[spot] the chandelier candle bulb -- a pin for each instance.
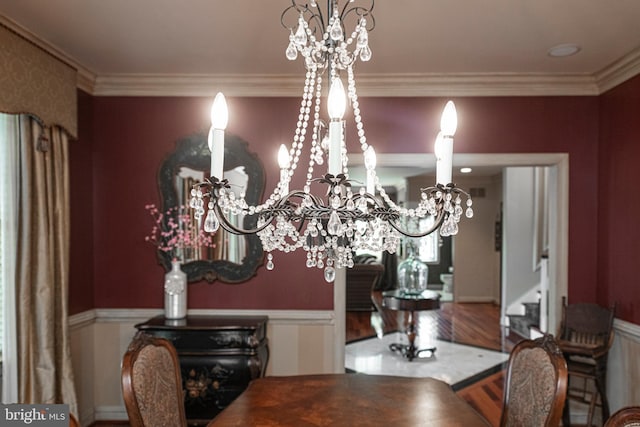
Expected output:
(283, 162)
(444, 144)
(219, 118)
(443, 149)
(336, 104)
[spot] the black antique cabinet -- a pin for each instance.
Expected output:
(219, 356)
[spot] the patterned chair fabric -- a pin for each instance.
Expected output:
(152, 384)
(536, 384)
(625, 417)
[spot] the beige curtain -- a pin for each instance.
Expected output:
(42, 267)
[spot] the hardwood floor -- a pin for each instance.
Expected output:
(471, 324)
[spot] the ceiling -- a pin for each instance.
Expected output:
(420, 47)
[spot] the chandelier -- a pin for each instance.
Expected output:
(329, 225)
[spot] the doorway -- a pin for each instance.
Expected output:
(558, 224)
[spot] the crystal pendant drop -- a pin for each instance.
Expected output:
(350, 204)
(269, 265)
(454, 229)
(363, 38)
(335, 225)
(193, 201)
(329, 274)
(211, 223)
(301, 35)
(469, 213)
(365, 54)
(336, 30)
(291, 52)
(336, 202)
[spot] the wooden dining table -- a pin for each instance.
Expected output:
(348, 400)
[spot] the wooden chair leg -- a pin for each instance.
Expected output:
(602, 391)
(592, 409)
(566, 415)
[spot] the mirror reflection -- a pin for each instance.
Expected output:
(223, 256)
(222, 245)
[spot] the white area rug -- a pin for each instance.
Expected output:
(451, 363)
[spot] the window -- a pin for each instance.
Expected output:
(9, 135)
(429, 246)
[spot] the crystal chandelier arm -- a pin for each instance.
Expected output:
(436, 224)
(360, 11)
(301, 7)
(228, 226)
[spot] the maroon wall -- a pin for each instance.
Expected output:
(619, 205)
(81, 279)
(131, 137)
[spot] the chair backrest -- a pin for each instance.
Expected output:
(152, 384)
(366, 274)
(536, 384)
(586, 324)
(625, 417)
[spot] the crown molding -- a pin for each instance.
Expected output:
(618, 72)
(396, 85)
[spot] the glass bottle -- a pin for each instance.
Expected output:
(413, 274)
(175, 292)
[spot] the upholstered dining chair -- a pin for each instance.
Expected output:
(535, 385)
(73, 421)
(625, 417)
(152, 384)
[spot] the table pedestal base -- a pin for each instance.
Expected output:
(410, 303)
(410, 351)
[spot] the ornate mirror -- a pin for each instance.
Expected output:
(228, 257)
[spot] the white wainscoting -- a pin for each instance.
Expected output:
(300, 342)
(623, 373)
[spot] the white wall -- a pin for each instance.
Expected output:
(476, 263)
(518, 275)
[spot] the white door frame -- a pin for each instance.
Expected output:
(558, 227)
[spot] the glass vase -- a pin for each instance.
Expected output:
(175, 292)
(413, 274)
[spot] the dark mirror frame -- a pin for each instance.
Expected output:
(193, 152)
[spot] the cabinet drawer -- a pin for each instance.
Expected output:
(210, 340)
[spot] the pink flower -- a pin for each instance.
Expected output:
(179, 233)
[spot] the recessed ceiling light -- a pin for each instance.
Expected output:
(465, 170)
(563, 50)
